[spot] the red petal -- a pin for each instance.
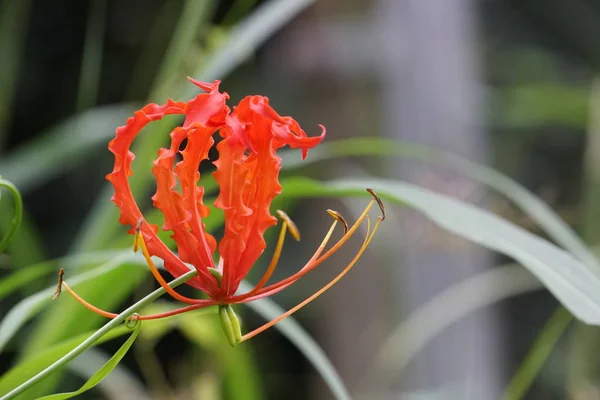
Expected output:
(207, 109)
(284, 130)
(249, 182)
(207, 87)
(123, 197)
(183, 212)
(192, 245)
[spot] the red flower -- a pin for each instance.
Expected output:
(247, 173)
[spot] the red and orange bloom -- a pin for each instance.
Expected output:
(247, 173)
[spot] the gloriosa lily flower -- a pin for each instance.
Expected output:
(247, 173)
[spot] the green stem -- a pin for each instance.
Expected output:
(538, 354)
(97, 335)
(18, 212)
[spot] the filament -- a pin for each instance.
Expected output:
(287, 224)
(140, 243)
(88, 305)
(314, 262)
(317, 259)
(366, 242)
(204, 304)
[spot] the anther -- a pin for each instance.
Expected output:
(291, 225)
(61, 273)
(338, 217)
(379, 202)
(136, 240)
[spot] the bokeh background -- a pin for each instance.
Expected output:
(424, 315)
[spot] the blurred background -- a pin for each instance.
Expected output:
(424, 315)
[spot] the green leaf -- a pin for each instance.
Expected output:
(31, 305)
(544, 344)
(14, 23)
(530, 106)
(26, 275)
(429, 319)
(193, 15)
(246, 37)
(30, 367)
(33, 383)
(102, 372)
(532, 205)
(567, 278)
(265, 307)
(292, 330)
(62, 147)
(21, 278)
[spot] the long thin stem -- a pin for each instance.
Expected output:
(97, 335)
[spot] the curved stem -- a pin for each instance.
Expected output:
(97, 335)
(18, 212)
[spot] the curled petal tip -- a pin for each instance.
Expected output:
(338, 217)
(320, 139)
(379, 202)
(207, 87)
(323, 131)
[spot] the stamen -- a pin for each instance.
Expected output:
(366, 242)
(314, 262)
(286, 224)
(138, 236)
(204, 304)
(61, 273)
(291, 225)
(379, 202)
(139, 242)
(88, 305)
(277, 254)
(338, 217)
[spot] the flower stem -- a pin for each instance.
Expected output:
(97, 335)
